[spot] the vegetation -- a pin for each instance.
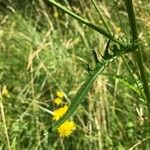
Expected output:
(49, 61)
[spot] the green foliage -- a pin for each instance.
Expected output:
(43, 50)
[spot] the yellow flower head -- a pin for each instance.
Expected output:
(58, 101)
(56, 15)
(66, 128)
(117, 30)
(5, 92)
(58, 113)
(60, 94)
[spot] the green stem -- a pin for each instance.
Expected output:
(131, 74)
(87, 23)
(82, 92)
(101, 17)
(138, 53)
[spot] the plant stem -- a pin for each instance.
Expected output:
(138, 53)
(131, 74)
(82, 92)
(4, 123)
(101, 17)
(87, 23)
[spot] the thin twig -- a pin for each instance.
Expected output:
(138, 143)
(4, 124)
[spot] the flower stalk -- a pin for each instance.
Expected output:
(138, 53)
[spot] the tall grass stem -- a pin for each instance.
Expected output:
(4, 124)
(138, 53)
(101, 17)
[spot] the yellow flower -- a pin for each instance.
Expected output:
(56, 15)
(58, 113)
(58, 101)
(66, 128)
(5, 92)
(60, 94)
(117, 30)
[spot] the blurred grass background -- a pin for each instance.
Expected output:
(43, 50)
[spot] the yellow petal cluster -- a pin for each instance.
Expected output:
(58, 101)
(58, 113)
(5, 92)
(60, 94)
(117, 30)
(66, 128)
